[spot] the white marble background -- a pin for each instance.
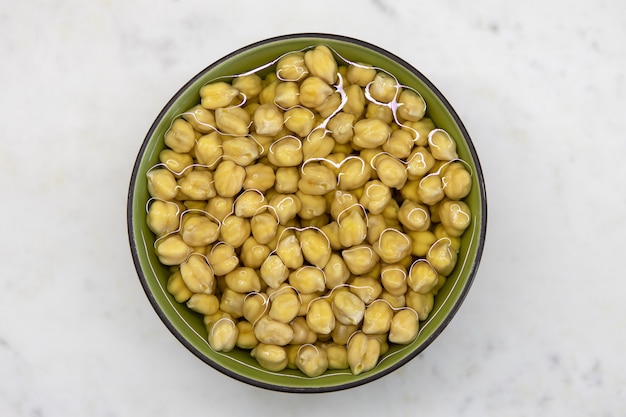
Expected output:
(540, 86)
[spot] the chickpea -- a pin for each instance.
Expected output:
(336, 271)
(383, 88)
(286, 152)
(352, 229)
(316, 179)
(337, 356)
(201, 119)
(366, 288)
(268, 93)
(299, 120)
(197, 185)
(342, 332)
(180, 137)
(218, 208)
(285, 306)
(249, 203)
(414, 216)
(404, 326)
(229, 178)
(286, 207)
(289, 251)
(321, 63)
(163, 217)
(287, 94)
(258, 177)
(360, 74)
(253, 253)
(422, 277)
(442, 257)
(391, 171)
(249, 84)
(376, 196)
(315, 247)
(420, 129)
(273, 271)
(255, 305)
(287, 180)
(399, 144)
(223, 335)
(395, 301)
(301, 332)
(440, 233)
(271, 357)
(363, 353)
(430, 189)
(291, 67)
(331, 230)
(172, 250)
(307, 280)
(318, 144)
(377, 318)
(242, 150)
(341, 127)
(199, 230)
(208, 149)
(232, 302)
(233, 121)
(175, 162)
(455, 217)
(360, 259)
(419, 162)
(311, 360)
(422, 304)
(457, 181)
(379, 111)
(246, 338)
(411, 105)
(205, 304)
(343, 203)
(353, 173)
(376, 225)
(197, 275)
(270, 331)
(264, 227)
(176, 286)
(330, 106)
(348, 308)
(162, 184)
(442, 146)
(311, 206)
(235, 230)
(222, 258)
(243, 280)
(355, 104)
(217, 95)
(422, 241)
(370, 133)
(393, 246)
(320, 317)
(393, 278)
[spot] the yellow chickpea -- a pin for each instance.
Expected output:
(286, 152)
(360, 259)
(259, 177)
(291, 67)
(455, 217)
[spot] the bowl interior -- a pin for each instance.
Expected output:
(188, 326)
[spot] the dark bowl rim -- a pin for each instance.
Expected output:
(454, 308)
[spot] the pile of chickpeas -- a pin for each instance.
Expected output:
(310, 214)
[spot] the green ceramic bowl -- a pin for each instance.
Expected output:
(188, 327)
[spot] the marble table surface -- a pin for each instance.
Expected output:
(540, 86)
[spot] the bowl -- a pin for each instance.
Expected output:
(188, 327)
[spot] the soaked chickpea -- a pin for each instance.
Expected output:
(309, 213)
